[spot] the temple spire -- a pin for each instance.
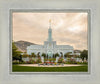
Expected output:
(50, 23)
(50, 31)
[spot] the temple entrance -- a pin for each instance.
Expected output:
(50, 54)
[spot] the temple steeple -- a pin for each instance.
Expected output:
(50, 31)
(50, 23)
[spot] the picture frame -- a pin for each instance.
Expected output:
(11, 11)
(7, 77)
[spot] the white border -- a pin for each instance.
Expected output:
(6, 78)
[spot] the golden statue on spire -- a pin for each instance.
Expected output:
(49, 20)
(50, 23)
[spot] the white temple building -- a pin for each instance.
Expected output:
(49, 47)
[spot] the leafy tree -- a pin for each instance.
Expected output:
(67, 54)
(56, 55)
(53, 56)
(33, 55)
(38, 54)
(15, 53)
(84, 54)
(47, 56)
(61, 54)
(44, 55)
(25, 55)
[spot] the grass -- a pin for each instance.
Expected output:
(17, 68)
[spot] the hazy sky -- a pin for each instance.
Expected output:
(67, 28)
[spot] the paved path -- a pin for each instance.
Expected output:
(36, 65)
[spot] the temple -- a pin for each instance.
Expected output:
(50, 47)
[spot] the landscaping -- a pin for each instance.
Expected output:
(23, 62)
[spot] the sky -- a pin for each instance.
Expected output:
(67, 28)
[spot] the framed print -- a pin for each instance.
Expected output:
(49, 42)
(31, 54)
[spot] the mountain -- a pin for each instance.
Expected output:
(22, 45)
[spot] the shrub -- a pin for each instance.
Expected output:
(85, 62)
(71, 61)
(23, 62)
(60, 60)
(15, 62)
(55, 63)
(28, 62)
(67, 62)
(50, 60)
(53, 59)
(38, 60)
(25, 55)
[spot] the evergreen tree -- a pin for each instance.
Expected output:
(84, 54)
(16, 55)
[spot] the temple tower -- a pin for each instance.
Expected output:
(50, 32)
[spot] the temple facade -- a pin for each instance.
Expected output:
(49, 47)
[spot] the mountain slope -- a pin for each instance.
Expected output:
(22, 45)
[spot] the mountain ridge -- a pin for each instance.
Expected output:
(22, 45)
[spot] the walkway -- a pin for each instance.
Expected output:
(36, 65)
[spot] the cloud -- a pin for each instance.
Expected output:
(67, 28)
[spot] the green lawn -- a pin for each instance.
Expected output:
(17, 68)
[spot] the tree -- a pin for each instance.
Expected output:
(53, 56)
(44, 55)
(67, 54)
(56, 55)
(38, 54)
(84, 54)
(25, 55)
(15, 53)
(33, 55)
(61, 54)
